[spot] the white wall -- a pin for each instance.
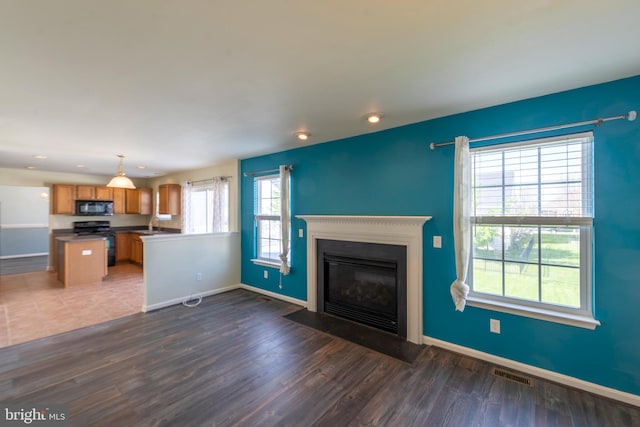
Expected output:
(24, 227)
(230, 168)
(172, 263)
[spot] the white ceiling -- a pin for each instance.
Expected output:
(184, 84)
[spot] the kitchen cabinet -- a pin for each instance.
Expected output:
(123, 247)
(81, 261)
(138, 201)
(104, 193)
(170, 199)
(85, 192)
(64, 199)
(136, 249)
(90, 192)
(119, 200)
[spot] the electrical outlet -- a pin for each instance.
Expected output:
(437, 241)
(266, 274)
(198, 276)
(494, 326)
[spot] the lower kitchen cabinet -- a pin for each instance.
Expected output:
(136, 249)
(123, 247)
(129, 247)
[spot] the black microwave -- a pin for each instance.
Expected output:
(94, 208)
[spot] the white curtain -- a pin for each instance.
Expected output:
(461, 221)
(220, 196)
(209, 212)
(186, 206)
(285, 218)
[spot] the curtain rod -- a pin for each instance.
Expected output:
(224, 178)
(290, 167)
(631, 116)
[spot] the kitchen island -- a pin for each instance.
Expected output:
(82, 260)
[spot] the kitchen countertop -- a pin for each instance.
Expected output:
(83, 237)
(147, 232)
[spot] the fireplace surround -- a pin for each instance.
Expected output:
(404, 231)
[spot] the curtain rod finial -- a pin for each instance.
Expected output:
(631, 115)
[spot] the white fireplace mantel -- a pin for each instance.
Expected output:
(391, 230)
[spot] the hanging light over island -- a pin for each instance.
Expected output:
(120, 180)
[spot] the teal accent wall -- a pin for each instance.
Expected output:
(393, 172)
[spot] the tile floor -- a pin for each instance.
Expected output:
(35, 305)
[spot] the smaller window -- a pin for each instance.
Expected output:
(207, 207)
(267, 217)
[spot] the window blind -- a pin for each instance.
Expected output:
(545, 181)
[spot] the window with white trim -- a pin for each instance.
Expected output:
(267, 218)
(206, 207)
(532, 216)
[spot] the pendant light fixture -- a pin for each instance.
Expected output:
(120, 181)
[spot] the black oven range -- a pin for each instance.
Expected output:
(98, 228)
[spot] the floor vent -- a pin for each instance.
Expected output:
(512, 376)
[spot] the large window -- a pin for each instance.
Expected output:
(267, 218)
(532, 219)
(206, 207)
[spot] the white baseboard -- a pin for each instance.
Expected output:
(147, 308)
(273, 295)
(25, 255)
(175, 301)
(610, 393)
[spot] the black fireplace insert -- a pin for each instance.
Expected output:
(364, 282)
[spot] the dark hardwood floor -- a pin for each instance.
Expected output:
(234, 360)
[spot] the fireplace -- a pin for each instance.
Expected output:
(364, 282)
(406, 231)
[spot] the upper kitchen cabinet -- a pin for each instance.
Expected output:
(90, 192)
(138, 201)
(104, 193)
(64, 196)
(119, 200)
(170, 199)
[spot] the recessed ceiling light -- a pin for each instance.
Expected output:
(303, 136)
(141, 166)
(374, 118)
(30, 167)
(39, 156)
(80, 166)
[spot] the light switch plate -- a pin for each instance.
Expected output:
(300, 232)
(437, 241)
